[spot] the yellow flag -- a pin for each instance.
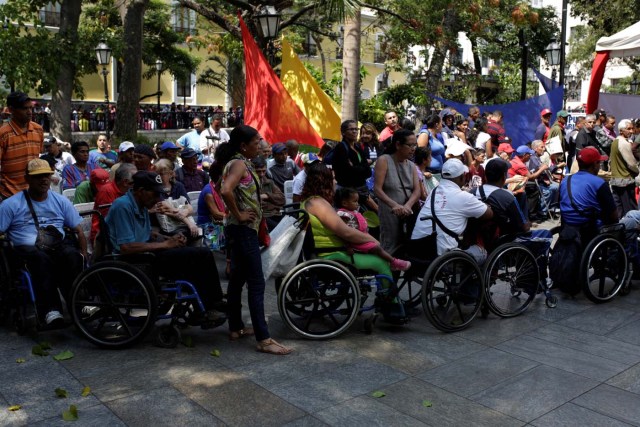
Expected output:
(318, 108)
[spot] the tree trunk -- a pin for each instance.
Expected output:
(62, 92)
(323, 59)
(351, 68)
(126, 126)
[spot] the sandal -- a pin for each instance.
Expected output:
(236, 335)
(271, 346)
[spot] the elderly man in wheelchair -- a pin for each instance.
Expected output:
(590, 254)
(40, 225)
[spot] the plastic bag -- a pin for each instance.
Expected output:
(283, 253)
(168, 224)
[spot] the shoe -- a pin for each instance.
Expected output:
(213, 319)
(400, 265)
(89, 310)
(54, 319)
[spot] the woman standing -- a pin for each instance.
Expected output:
(370, 143)
(430, 136)
(240, 191)
(398, 190)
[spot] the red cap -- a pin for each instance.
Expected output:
(506, 147)
(591, 155)
(99, 177)
(545, 112)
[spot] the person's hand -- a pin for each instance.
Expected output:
(176, 241)
(194, 230)
(247, 217)
(264, 196)
(397, 210)
(544, 167)
(427, 175)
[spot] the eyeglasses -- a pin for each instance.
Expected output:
(411, 146)
(353, 130)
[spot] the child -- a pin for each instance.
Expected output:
(346, 201)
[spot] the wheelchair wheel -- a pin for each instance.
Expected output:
(113, 304)
(603, 268)
(511, 278)
(410, 288)
(452, 291)
(319, 299)
(167, 336)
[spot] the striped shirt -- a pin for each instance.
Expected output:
(17, 148)
(72, 175)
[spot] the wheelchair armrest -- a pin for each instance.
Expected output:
(611, 228)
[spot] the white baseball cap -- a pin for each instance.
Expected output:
(453, 168)
(125, 146)
(455, 148)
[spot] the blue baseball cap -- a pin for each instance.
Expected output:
(523, 149)
(168, 145)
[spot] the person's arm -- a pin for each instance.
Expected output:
(423, 139)
(82, 241)
(175, 241)
(628, 157)
(276, 196)
(380, 172)
(328, 217)
(534, 175)
(416, 193)
(487, 215)
(488, 148)
(236, 171)
(608, 210)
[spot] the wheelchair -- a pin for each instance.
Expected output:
(604, 267)
(116, 302)
(320, 299)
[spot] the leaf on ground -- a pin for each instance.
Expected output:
(14, 408)
(71, 414)
(427, 403)
(37, 350)
(45, 345)
(378, 394)
(86, 391)
(215, 353)
(20, 360)
(64, 355)
(187, 341)
(60, 392)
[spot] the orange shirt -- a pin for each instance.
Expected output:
(17, 148)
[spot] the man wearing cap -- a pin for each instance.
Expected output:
(169, 151)
(213, 136)
(542, 130)
(558, 128)
(130, 233)
(49, 269)
(591, 202)
(103, 156)
(192, 139)
(300, 178)
(453, 208)
(20, 141)
(193, 178)
(519, 164)
(62, 158)
(87, 190)
(73, 175)
(282, 168)
(122, 182)
(125, 155)
(143, 157)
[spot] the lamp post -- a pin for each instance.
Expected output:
(634, 85)
(159, 65)
(553, 57)
(269, 20)
(103, 53)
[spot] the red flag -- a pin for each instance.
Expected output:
(597, 74)
(268, 106)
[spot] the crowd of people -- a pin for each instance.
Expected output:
(442, 184)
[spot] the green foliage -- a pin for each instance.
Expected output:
(622, 86)
(316, 73)
(372, 111)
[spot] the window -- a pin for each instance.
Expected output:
(309, 46)
(379, 56)
(50, 15)
(184, 87)
(184, 20)
(536, 3)
(484, 62)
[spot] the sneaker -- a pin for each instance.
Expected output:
(213, 319)
(89, 310)
(54, 319)
(400, 265)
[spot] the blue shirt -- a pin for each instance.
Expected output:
(590, 194)
(95, 155)
(191, 140)
(203, 210)
(128, 222)
(437, 152)
(16, 219)
(72, 176)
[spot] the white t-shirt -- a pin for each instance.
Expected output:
(481, 140)
(298, 182)
(205, 142)
(453, 207)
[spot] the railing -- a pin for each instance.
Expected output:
(95, 122)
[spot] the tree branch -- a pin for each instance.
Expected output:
(314, 30)
(296, 16)
(213, 17)
(383, 10)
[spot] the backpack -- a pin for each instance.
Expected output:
(565, 261)
(328, 158)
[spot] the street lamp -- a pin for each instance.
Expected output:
(553, 57)
(634, 85)
(269, 20)
(159, 65)
(103, 53)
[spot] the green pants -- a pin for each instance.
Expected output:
(363, 262)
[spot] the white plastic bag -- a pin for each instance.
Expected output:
(168, 224)
(286, 243)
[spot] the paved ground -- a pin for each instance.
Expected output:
(578, 364)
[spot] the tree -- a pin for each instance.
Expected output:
(351, 70)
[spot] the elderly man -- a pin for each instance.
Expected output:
(192, 139)
(130, 233)
(103, 155)
(143, 157)
(265, 150)
(548, 187)
(169, 151)
(293, 152)
(73, 175)
(271, 198)
(20, 141)
(108, 193)
(213, 136)
(51, 266)
(193, 178)
(125, 155)
(624, 169)
(87, 190)
(282, 168)
(393, 124)
(472, 115)
(452, 207)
